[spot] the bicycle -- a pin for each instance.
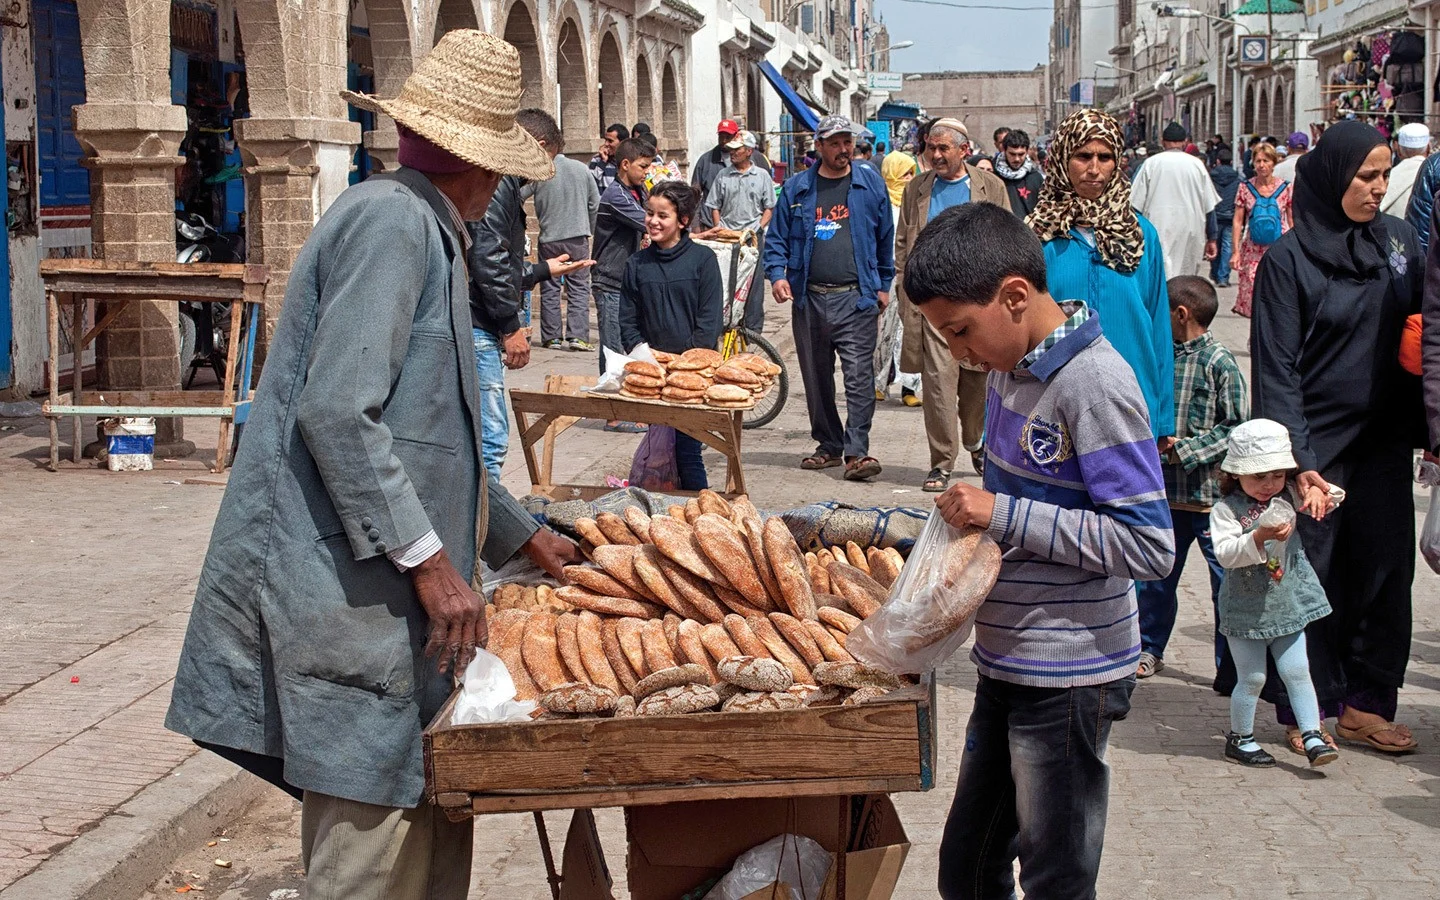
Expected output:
(738, 260)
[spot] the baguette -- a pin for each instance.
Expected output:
(676, 512)
(614, 528)
(671, 626)
(655, 646)
(895, 557)
(615, 655)
(834, 600)
(610, 606)
(819, 578)
(856, 557)
(692, 510)
(789, 567)
(693, 591)
(639, 522)
(587, 529)
(863, 593)
(567, 639)
(736, 602)
(598, 581)
(510, 650)
(831, 649)
(541, 653)
(882, 567)
(838, 619)
(711, 502)
(592, 652)
(677, 541)
(632, 644)
(648, 562)
(839, 636)
(798, 637)
(692, 648)
(753, 531)
(780, 650)
(730, 555)
(618, 561)
(745, 638)
(717, 642)
(958, 598)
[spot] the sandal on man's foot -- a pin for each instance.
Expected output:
(860, 468)
(936, 481)
(977, 459)
(821, 461)
(1255, 759)
(1321, 753)
(1296, 741)
(1365, 734)
(627, 427)
(1149, 665)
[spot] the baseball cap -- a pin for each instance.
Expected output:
(743, 139)
(1297, 139)
(1413, 136)
(727, 126)
(833, 125)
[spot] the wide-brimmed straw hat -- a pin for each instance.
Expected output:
(463, 97)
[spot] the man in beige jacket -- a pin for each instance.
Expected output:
(954, 396)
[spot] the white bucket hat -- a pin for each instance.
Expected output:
(1257, 446)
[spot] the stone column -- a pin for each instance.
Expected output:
(132, 151)
(282, 163)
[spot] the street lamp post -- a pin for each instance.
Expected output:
(1238, 80)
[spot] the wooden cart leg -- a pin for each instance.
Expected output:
(79, 365)
(550, 874)
(52, 325)
(231, 387)
(734, 475)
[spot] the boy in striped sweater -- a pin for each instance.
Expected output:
(1074, 495)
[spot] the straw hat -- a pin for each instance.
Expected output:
(463, 96)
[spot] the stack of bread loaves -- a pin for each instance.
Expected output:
(700, 377)
(684, 612)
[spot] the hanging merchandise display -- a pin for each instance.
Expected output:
(1380, 79)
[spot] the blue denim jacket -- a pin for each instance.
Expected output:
(791, 237)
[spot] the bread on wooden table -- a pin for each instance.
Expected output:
(728, 553)
(864, 695)
(755, 673)
(632, 644)
(579, 698)
(618, 561)
(855, 675)
(599, 581)
(674, 676)
(510, 649)
(692, 648)
(830, 648)
(655, 646)
(615, 655)
(795, 634)
(567, 639)
(677, 541)
(639, 522)
(614, 528)
(838, 619)
(610, 606)
(541, 652)
(672, 701)
(587, 529)
(756, 701)
(745, 638)
(693, 591)
(592, 652)
(789, 568)
(718, 643)
(863, 593)
(711, 502)
(735, 602)
(780, 649)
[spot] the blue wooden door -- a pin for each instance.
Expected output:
(59, 86)
(7, 329)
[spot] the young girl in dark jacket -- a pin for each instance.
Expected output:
(671, 298)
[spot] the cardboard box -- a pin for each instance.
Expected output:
(674, 848)
(584, 875)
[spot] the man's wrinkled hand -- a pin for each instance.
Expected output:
(883, 298)
(780, 290)
(963, 504)
(552, 552)
(517, 349)
(457, 617)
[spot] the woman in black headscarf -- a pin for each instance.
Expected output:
(1331, 299)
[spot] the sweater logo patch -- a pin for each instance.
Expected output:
(1398, 262)
(1046, 444)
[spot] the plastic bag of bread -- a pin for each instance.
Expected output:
(931, 607)
(793, 860)
(487, 694)
(654, 466)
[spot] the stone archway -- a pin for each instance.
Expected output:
(1262, 112)
(644, 91)
(671, 124)
(520, 33)
(451, 15)
(1248, 112)
(574, 85)
(612, 91)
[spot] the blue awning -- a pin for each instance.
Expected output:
(892, 110)
(804, 116)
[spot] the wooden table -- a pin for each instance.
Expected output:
(542, 416)
(79, 283)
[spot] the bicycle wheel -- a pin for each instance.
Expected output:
(769, 406)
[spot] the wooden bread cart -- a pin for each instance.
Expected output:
(880, 747)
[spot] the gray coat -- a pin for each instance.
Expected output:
(305, 642)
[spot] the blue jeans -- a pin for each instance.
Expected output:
(689, 464)
(1158, 600)
(1220, 265)
(494, 420)
(607, 309)
(1034, 784)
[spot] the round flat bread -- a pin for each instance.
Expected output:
(644, 381)
(736, 375)
(732, 393)
(687, 381)
(681, 364)
(755, 674)
(577, 697)
(671, 701)
(756, 701)
(703, 355)
(641, 367)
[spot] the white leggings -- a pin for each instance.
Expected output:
(1293, 665)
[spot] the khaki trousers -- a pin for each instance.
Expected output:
(954, 402)
(356, 851)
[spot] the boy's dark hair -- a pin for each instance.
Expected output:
(1254, 139)
(649, 140)
(880, 147)
(1225, 156)
(542, 127)
(639, 129)
(1195, 294)
(967, 250)
(1017, 138)
(685, 198)
(632, 149)
(999, 131)
(620, 131)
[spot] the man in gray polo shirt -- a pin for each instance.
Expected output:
(742, 198)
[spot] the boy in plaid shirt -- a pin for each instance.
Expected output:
(1210, 399)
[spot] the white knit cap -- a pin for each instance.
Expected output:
(1413, 136)
(1258, 446)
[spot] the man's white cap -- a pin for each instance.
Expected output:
(1258, 446)
(743, 139)
(1413, 136)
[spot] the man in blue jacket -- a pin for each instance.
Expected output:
(831, 251)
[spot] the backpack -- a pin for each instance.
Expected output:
(1265, 224)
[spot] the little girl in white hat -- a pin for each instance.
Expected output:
(1270, 592)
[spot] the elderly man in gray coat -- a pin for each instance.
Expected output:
(336, 599)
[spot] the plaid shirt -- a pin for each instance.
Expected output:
(1079, 313)
(1211, 398)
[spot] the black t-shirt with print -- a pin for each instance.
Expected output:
(832, 261)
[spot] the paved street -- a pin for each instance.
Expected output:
(99, 570)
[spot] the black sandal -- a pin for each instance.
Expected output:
(862, 467)
(936, 481)
(1321, 755)
(1256, 759)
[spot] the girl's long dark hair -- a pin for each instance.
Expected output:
(683, 197)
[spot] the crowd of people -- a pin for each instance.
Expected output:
(1049, 317)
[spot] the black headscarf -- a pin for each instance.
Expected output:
(1327, 235)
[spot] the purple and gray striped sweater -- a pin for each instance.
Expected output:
(1080, 513)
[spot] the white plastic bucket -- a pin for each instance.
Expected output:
(130, 444)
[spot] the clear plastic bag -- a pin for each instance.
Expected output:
(790, 859)
(1428, 474)
(487, 694)
(654, 468)
(931, 608)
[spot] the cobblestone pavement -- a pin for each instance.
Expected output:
(99, 570)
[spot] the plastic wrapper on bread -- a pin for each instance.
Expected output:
(931, 608)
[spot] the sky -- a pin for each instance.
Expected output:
(967, 39)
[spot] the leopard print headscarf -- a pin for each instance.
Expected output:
(1116, 227)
